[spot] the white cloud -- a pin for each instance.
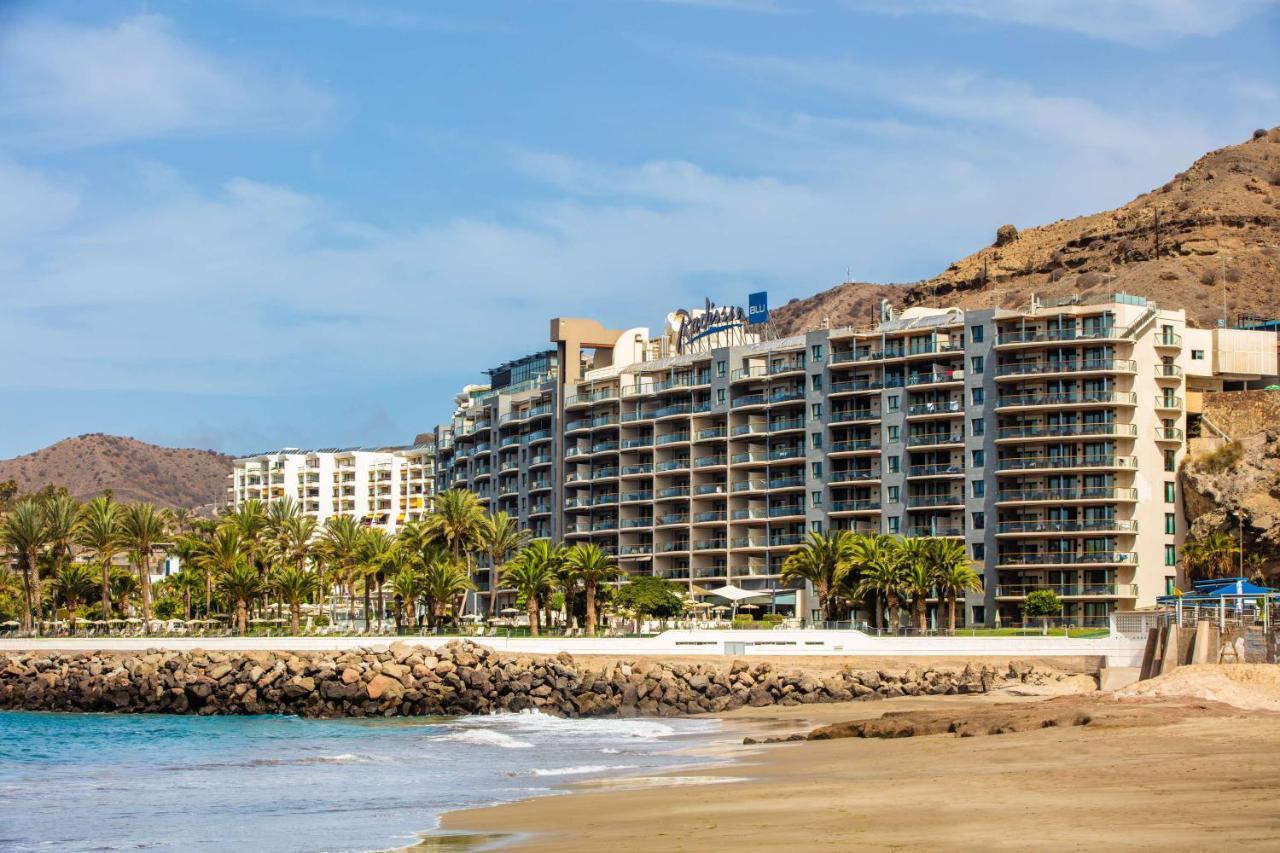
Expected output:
(1140, 22)
(72, 85)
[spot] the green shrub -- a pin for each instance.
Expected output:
(773, 618)
(1225, 458)
(744, 622)
(1042, 602)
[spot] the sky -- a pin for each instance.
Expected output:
(248, 224)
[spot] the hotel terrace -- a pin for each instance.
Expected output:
(1046, 440)
(380, 487)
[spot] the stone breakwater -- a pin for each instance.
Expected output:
(455, 679)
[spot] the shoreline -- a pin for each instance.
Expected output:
(1077, 788)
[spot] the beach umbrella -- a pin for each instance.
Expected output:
(749, 607)
(720, 608)
(510, 610)
(12, 623)
(133, 620)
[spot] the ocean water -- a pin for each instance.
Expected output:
(116, 782)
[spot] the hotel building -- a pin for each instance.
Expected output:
(1046, 440)
(380, 487)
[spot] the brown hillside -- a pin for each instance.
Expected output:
(134, 471)
(1218, 219)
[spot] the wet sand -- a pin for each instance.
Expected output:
(1190, 785)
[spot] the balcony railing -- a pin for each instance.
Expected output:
(840, 416)
(1115, 398)
(1076, 558)
(921, 439)
(1064, 334)
(1093, 525)
(854, 445)
(1107, 365)
(855, 475)
(1068, 430)
(855, 356)
(1070, 590)
(854, 506)
(935, 500)
(1105, 493)
(1040, 463)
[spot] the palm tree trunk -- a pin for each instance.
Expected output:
(186, 603)
(368, 606)
(591, 606)
(531, 607)
(208, 592)
(951, 611)
(144, 570)
(382, 601)
(295, 616)
(493, 584)
(879, 612)
(106, 588)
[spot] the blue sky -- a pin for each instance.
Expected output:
(255, 223)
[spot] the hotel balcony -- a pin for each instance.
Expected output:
(1043, 527)
(1018, 369)
(1168, 341)
(854, 447)
(944, 377)
(1168, 403)
(1096, 494)
(939, 501)
(935, 439)
(854, 386)
(711, 434)
(1073, 558)
(841, 416)
(1066, 463)
(854, 475)
(1070, 590)
(584, 400)
(947, 469)
(1066, 430)
(671, 438)
(935, 409)
(1031, 337)
(1169, 434)
(644, 469)
(755, 484)
(711, 490)
(936, 531)
(1074, 399)
(1168, 372)
(856, 356)
(853, 507)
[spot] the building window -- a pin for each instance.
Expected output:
(979, 551)
(720, 395)
(979, 521)
(816, 468)
(893, 402)
(894, 433)
(817, 381)
(1170, 523)
(815, 409)
(720, 368)
(895, 464)
(816, 349)
(978, 426)
(1197, 355)
(979, 458)
(815, 440)
(815, 526)
(815, 499)
(1170, 460)
(978, 488)
(895, 524)
(1169, 584)
(894, 494)
(978, 395)
(1170, 492)
(976, 363)
(1171, 555)
(975, 334)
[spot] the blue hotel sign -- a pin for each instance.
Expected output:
(758, 308)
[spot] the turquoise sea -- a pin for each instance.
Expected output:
(169, 783)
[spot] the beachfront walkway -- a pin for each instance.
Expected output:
(1118, 651)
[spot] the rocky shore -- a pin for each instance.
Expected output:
(459, 678)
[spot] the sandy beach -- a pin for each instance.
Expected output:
(1187, 785)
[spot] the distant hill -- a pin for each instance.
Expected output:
(134, 471)
(1218, 219)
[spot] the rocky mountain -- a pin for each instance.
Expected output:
(1215, 225)
(1238, 483)
(87, 465)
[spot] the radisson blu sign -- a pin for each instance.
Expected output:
(694, 327)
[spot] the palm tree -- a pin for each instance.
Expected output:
(74, 584)
(340, 544)
(293, 585)
(953, 574)
(823, 561)
(1212, 556)
(406, 586)
(279, 513)
(593, 567)
(222, 553)
(61, 512)
(250, 518)
(143, 529)
(501, 535)
(882, 577)
(443, 580)
(375, 545)
(242, 585)
(189, 581)
(292, 541)
(124, 586)
(189, 551)
(180, 520)
(457, 521)
(100, 529)
(26, 531)
(533, 574)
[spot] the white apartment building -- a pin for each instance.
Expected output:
(382, 487)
